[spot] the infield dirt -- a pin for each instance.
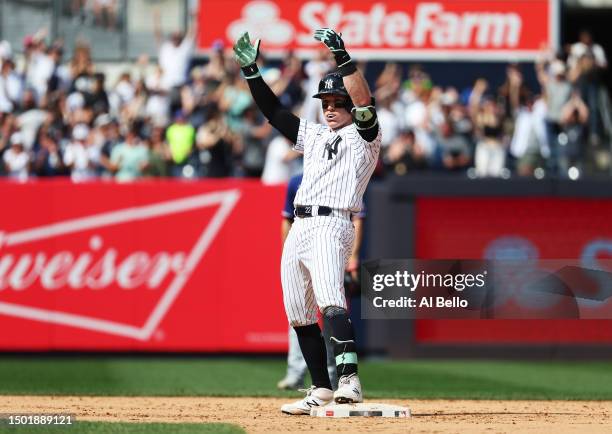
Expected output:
(262, 415)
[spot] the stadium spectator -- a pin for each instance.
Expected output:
(216, 68)
(389, 122)
(80, 157)
(181, 138)
(98, 99)
(30, 119)
(235, 98)
(574, 119)
(512, 95)
(39, 63)
(81, 68)
(216, 144)
(585, 44)
(123, 93)
(105, 137)
(390, 109)
(17, 159)
(196, 98)
(105, 13)
(6, 51)
(404, 154)
(157, 107)
(159, 154)
(279, 165)
(529, 144)
(11, 87)
(587, 77)
(490, 155)
(557, 91)
(288, 87)
(130, 158)
(453, 147)
(48, 160)
(415, 95)
(254, 132)
(175, 57)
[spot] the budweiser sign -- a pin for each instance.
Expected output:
(75, 255)
(448, 29)
(157, 265)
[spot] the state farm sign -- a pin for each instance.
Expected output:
(151, 266)
(448, 29)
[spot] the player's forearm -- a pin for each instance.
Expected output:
(285, 227)
(357, 88)
(358, 223)
(280, 118)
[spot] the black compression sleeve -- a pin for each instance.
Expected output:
(370, 134)
(280, 118)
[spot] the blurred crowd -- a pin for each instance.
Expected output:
(62, 117)
(103, 13)
(562, 128)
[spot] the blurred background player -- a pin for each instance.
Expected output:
(296, 365)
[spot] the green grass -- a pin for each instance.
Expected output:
(244, 377)
(127, 428)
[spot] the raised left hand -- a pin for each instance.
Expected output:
(334, 42)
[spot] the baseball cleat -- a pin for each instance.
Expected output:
(315, 397)
(289, 384)
(349, 390)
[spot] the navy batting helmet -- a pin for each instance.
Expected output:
(332, 84)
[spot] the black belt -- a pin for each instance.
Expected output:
(306, 211)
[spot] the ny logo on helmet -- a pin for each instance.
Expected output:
(329, 83)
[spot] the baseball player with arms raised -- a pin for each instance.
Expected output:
(339, 159)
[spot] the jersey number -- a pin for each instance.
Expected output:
(331, 148)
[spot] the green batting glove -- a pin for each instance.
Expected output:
(246, 55)
(334, 42)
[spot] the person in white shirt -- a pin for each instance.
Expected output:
(279, 158)
(17, 159)
(6, 51)
(79, 156)
(11, 86)
(31, 118)
(584, 45)
(175, 53)
(40, 67)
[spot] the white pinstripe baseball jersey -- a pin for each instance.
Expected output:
(337, 165)
(337, 168)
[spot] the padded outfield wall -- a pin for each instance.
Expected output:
(170, 266)
(438, 217)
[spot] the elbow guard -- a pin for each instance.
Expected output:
(364, 117)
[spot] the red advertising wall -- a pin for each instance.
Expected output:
(161, 266)
(480, 228)
(446, 29)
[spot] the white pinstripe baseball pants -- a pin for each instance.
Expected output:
(315, 255)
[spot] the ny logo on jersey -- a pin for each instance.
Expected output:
(331, 147)
(329, 83)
